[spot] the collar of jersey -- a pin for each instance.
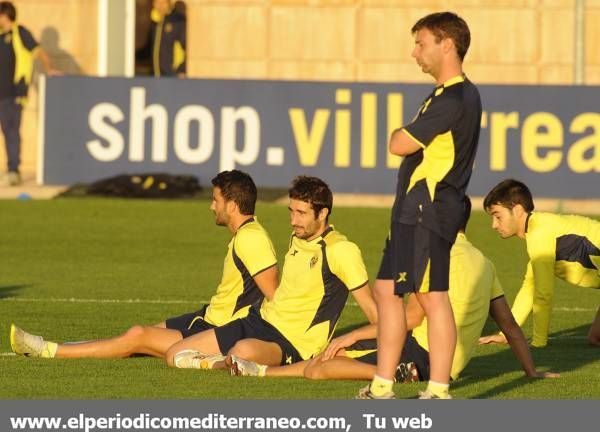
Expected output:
(156, 16)
(454, 80)
(528, 222)
(246, 222)
(317, 239)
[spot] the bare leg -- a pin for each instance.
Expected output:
(594, 333)
(338, 368)
(153, 341)
(391, 328)
(204, 342)
(441, 334)
(258, 351)
(293, 370)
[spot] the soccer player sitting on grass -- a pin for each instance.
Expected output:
(563, 246)
(249, 274)
(320, 269)
(474, 292)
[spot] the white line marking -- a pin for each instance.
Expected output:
(116, 301)
(7, 354)
(200, 301)
(573, 309)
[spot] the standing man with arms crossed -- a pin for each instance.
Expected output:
(563, 246)
(249, 274)
(439, 148)
(321, 267)
(18, 48)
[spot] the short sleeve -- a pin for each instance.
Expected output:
(27, 38)
(346, 262)
(497, 290)
(255, 249)
(436, 118)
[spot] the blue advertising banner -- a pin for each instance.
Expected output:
(546, 136)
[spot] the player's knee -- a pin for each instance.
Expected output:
(170, 356)
(436, 303)
(134, 333)
(242, 349)
(313, 371)
(132, 337)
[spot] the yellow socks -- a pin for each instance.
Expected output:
(438, 389)
(49, 350)
(381, 386)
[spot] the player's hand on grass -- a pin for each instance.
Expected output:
(493, 339)
(337, 344)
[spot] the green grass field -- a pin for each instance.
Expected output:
(82, 269)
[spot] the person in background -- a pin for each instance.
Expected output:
(166, 43)
(18, 49)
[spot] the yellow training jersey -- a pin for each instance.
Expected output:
(315, 281)
(249, 252)
(564, 246)
(473, 284)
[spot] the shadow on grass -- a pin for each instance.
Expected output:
(11, 290)
(569, 353)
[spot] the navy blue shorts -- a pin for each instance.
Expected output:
(416, 259)
(412, 352)
(189, 324)
(254, 327)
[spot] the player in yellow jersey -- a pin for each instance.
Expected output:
(321, 267)
(563, 246)
(474, 292)
(249, 274)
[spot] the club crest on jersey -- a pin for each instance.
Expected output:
(168, 28)
(8, 38)
(313, 261)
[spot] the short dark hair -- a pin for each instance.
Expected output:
(237, 186)
(508, 193)
(314, 191)
(466, 214)
(8, 9)
(447, 25)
